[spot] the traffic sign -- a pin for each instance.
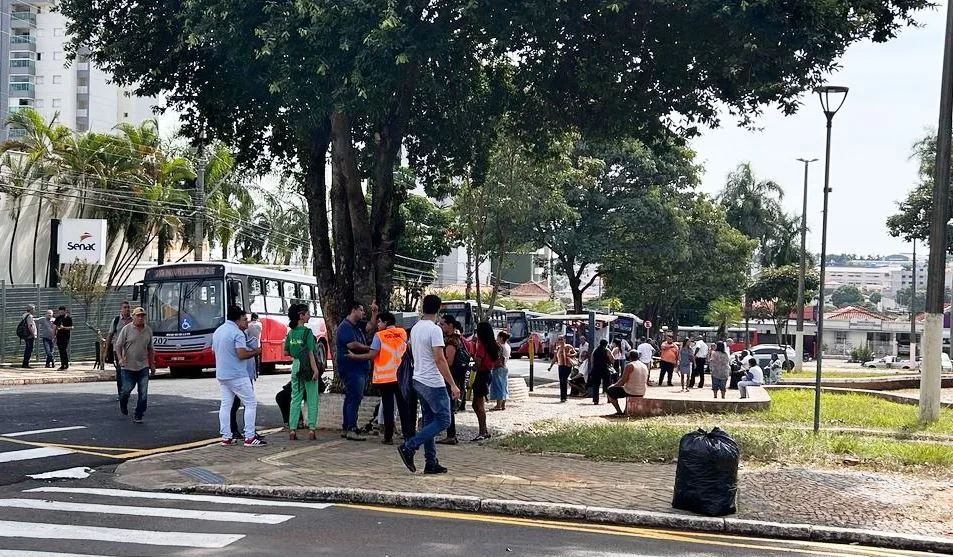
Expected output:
(647, 324)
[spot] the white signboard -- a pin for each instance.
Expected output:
(82, 241)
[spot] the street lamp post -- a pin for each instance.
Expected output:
(832, 99)
(799, 334)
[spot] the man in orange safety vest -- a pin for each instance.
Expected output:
(387, 350)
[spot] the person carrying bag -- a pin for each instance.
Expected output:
(305, 371)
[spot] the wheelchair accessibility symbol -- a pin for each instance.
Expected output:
(186, 324)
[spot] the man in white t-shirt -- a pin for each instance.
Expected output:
(700, 348)
(431, 375)
(646, 351)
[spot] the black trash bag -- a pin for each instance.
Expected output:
(706, 479)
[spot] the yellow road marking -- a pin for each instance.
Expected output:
(75, 450)
(130, 452)
(630, 531)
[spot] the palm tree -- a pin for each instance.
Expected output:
(752, 206)
(37, 143)
(228, 202)
(20, 174)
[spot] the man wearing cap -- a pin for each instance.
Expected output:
(137, 359)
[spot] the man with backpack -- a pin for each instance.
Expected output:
(458, 356)
(26, 331)
(124, 318)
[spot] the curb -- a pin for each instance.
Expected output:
(14, 382)
(559, 511)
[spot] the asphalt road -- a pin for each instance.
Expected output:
(92, 517)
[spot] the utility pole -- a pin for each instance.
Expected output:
(936, 269)
(198, 238)
(799, 334)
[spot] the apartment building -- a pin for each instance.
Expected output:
(34, 74)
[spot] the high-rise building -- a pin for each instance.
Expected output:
(34, 73)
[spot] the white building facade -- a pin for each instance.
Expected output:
(35, 74)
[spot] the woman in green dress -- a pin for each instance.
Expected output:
(300, 344)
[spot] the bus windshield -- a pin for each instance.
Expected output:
(463, 314)
(518, 327)
(185, 306)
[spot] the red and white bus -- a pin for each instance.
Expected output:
(524, 330)
(466, 311)
(738, 337)
(186, 302)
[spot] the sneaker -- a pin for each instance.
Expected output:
(254, 441)
(137, 420)
(434, 469)
(226, 442)
(354, 435)
(448, 441)
(407, 456)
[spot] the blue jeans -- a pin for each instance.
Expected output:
(48, 348)
(435, 410)
(135, 378)
(28, 350)
(354, 384)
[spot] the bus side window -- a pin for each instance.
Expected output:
(313, 298)
(235, 293)
(273, 302)
(256, 296)
(289, 294)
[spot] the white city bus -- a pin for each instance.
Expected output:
(186, 302)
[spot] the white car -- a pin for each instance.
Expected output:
(763, 353)
(891, 362)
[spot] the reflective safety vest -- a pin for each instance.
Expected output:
(393, 345)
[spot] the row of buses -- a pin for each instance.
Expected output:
(186, 302)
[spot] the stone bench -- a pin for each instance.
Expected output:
(662, 401)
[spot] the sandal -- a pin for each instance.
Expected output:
(293, 435)
(479, 438)
(312, 435)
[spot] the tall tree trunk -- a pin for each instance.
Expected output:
(36, 232)
(469, 271)
(13, 237)
(313, 153)
(163, 242)
(349, 210)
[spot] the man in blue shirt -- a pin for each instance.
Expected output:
(350, 336)
(232, 371)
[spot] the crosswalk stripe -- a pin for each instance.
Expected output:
(18, 553)
(219, 516)
(43, 531)
(30, 454)
(177, 497)
(38, 431)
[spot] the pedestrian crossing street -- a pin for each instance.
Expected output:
(53, 521)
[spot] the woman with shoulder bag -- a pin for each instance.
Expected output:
(305, 372)
(485, 356)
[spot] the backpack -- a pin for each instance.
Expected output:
(461, 360)
(23, 330)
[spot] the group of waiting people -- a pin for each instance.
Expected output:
(428, 369)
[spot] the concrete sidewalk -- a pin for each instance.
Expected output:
(777, 501)
(79, 372)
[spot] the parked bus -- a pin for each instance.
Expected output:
(738, 338)
(186, 302)
(625, 326)
(524, 330)
(574, 325)
(466, 311)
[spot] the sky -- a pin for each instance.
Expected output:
(893, 100)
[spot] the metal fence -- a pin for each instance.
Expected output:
(15, 298)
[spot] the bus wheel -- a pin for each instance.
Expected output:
(266, 368)
(322, 355)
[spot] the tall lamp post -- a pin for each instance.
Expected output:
(832, 99)
(799, 334)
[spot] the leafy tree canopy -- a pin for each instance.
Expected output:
(847, 295)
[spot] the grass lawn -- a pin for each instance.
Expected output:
(642, 442)
(765, 436)
(796, 407)
(846, 374)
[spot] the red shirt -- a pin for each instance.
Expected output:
(486, 362)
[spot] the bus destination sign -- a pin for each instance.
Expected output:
(172, 272)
